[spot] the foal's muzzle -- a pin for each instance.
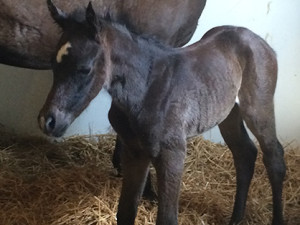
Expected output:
(53, 122)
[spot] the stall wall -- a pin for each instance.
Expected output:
(22, 91)
(278, 22)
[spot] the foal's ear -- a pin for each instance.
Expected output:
(92, 19)
(58, 15)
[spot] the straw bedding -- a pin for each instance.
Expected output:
(73, 182)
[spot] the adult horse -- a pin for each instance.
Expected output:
(166, 95)
(28, 36)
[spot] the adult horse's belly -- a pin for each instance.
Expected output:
(28, 35)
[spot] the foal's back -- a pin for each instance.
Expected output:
(202, 81)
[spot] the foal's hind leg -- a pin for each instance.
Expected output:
(259, 117)
(244, 154)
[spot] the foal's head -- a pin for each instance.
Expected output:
(79, 70)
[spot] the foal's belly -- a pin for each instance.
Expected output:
(208, 117)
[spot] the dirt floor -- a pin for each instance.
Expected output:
(73, 182)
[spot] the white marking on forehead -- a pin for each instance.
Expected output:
(63, 51)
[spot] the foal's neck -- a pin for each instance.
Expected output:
(132, 60)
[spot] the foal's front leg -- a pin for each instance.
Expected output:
(169, 167)
(135, 171)
(148, 193)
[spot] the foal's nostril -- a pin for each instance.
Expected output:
(50, 123)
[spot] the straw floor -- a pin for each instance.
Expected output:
(73, 182)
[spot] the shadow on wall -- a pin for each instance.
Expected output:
(22, 94)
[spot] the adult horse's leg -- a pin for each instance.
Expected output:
(261, 121)
(135, 171)
(169, 167)
(244, 154)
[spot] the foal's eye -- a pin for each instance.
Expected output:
(84, 70)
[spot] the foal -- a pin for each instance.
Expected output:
(165, 95)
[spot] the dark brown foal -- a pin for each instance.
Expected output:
(164, 95)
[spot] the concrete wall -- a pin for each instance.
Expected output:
(22, 91)
(22, 94)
